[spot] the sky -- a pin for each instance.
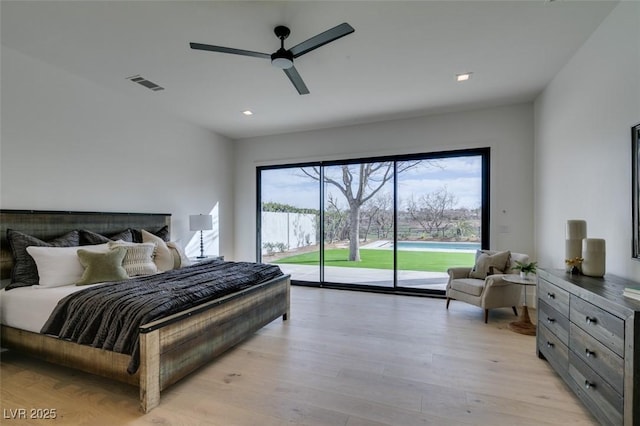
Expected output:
(462, 176)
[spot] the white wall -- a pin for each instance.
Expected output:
(507, 130)
(583, 143)
(293, 230)
(68, 144)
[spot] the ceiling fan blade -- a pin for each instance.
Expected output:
(321, 39)
(211, 48)
(295, 78)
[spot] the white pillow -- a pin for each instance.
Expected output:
(139, 257)
(180, 258)
(163, 257)
(58, 266)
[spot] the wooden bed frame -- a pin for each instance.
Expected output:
(170, 348)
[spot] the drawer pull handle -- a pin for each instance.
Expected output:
(589, 353)
(589, 385)
(551, 320)
(590, 320)
(550, 344)
(551, 295)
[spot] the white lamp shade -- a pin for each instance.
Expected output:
(200, 222)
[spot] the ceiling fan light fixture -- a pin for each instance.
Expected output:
(282, 59)
(282, 63)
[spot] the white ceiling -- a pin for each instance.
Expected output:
(400, 62)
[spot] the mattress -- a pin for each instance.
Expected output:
(28, 308)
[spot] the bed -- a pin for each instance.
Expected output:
(170, 347)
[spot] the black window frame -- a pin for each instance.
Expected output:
(484, 153)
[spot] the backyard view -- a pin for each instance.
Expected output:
(351, 209)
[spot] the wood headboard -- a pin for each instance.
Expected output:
(47, 225)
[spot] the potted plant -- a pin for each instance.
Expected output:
(525, 268)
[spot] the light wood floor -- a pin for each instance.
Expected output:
(344, 358)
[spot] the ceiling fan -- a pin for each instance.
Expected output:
(283, 58)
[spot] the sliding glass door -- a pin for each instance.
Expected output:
(352, 249)
(395, 223)
(439, 218)
(289, 222)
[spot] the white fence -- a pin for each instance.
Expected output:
(287, 231)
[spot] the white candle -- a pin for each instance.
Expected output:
(572, 249)
(576, 229)
(594, 254)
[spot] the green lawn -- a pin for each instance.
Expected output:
(433, 261)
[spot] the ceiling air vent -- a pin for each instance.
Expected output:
(146, 83)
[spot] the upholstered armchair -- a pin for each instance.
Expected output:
(482, 285)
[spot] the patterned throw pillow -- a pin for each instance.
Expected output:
(89, 238)
(102, 267)
(489, 264)
(139, 257)
(25, 271)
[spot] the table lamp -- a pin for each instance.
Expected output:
(201, 222)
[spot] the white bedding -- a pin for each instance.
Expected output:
(28, 308)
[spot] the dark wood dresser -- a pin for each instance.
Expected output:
(590, 334)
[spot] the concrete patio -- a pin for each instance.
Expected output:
(367, 276)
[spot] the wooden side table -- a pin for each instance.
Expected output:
(524, 324)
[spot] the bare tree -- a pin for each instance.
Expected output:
(369, 211)
(334, 220)
(378, 212)
(359, 183)
(430, 210)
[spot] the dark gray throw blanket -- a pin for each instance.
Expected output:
(109, 315)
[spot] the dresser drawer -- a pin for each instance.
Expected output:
(552, 348)
(605, 327)
(602, 366)
(595, 392)
(554, 321)
(597, 356)
(554, 296)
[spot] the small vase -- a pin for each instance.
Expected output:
(593, 252)
(574, 270)
(524, 275)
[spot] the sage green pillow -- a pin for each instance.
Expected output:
(102, 267)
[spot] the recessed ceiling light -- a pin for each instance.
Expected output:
(247, 112)
(463, 77)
